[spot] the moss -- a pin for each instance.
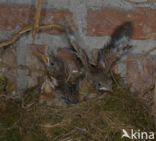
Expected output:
(11, 113)
(13, 135)
(59, 131)
(38, 135)
(128, 108)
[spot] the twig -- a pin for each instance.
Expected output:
(37, 17)
(26, 29)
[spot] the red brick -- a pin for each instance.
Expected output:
(102, 22)
(141, 78)
(12, 16)
(141, 73)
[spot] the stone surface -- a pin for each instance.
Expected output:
(141, 73)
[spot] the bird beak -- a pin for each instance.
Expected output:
(105, 89)
(45, 59)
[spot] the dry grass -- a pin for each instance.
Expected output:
(101, 118)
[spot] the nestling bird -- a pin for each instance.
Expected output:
(65, 69)
(99, 73)
(56, 67)
(118, 46)
(49, 92)
(71, 64)
(100, 83)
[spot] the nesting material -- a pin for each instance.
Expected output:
(101, 118)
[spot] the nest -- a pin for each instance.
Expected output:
(101, 118)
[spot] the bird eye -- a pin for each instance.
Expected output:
(52, 63)
(99, 84)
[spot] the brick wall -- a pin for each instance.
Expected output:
(94, 20)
